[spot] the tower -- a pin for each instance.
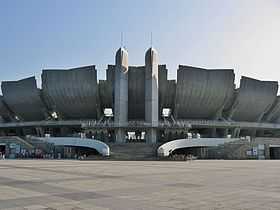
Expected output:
(151, 94)
(121, 94)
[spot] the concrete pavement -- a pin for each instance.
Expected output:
(121, 185)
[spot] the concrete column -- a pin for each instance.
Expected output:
(260, 133)
(19, 132)
(151, 136)
(64, 131)
(121, 94)
(98, 136)
(120, 135)
(151, 94)
(225, 132)
(26, 131)
(39, 131)
(253, 133)
(3, 132)
(213, 132)
(236, 132)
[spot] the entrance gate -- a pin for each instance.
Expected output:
(274, 152)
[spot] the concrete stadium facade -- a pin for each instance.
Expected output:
(140, 103)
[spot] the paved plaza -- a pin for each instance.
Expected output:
(100, 185)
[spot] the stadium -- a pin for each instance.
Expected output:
(138, 106)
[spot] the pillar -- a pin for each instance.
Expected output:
(225, 132)
(151, 94)
(213, 132)
(236, 132)
(121, 94)
(39, 131)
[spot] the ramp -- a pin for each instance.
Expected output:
(99, 146)
(165, 149)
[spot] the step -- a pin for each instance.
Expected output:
(133, 151)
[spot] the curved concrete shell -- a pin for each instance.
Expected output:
(106, 88)
(167, 148)
(273, 115)
(5, 113)
(105, 94)
(253, 99)
(23, 98)
(202, 93)
(99, 146)
(72, 93)
(136, 92)
(167, 89)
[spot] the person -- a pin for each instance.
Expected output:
(189, 157)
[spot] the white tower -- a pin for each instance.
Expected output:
(151, 94)
(121, 94)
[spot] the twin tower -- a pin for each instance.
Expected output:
(121, 95)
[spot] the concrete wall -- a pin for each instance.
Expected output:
(167, 90)
(273, 115)
(106, 94)
(136, 92)
(72, 93)
(254, 98)
(5, 113)
(106, 88)
(238, 149)
(23, 98)
(201, 93)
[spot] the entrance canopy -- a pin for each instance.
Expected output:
(166, 149)
(99, 146)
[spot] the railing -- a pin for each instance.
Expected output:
(182, 124)
(136, 124)
(18, 139)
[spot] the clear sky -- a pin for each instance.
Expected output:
(239, 34)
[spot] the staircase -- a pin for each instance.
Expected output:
(39, 144)
(236, 150)
(133, 151)
(17, 140)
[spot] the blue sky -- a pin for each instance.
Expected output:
(239, 34)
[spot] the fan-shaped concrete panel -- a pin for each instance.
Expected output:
(136, 92)
(72, 93)
(167, 89)
(253, 99)
(5, 113)
(23, 98)
(273, 115)
(106, 90)
(202, 93)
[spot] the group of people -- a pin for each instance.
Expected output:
(182, 157)
(30, 155)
